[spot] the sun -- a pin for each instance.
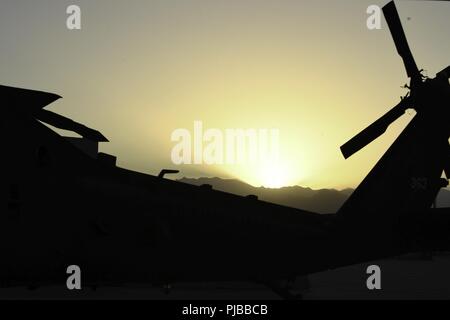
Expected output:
(273, 175)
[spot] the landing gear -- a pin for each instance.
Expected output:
(285, 289)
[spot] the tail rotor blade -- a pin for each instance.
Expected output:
(398, 34)
(375, 130)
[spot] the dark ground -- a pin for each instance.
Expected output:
(407, 277)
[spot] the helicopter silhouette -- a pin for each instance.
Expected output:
(64, 203)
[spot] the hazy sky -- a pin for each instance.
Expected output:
(137, 70)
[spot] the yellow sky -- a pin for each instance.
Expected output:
(140, 69)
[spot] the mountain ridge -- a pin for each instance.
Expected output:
(316, 200)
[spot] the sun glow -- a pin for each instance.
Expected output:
(269, 174)
(273, 175)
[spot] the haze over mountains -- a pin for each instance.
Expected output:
(321, 201)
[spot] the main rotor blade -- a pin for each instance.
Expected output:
(61, 122)
(30, 100)
(375, 130)
(398, 34)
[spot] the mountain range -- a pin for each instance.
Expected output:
(321, 201)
